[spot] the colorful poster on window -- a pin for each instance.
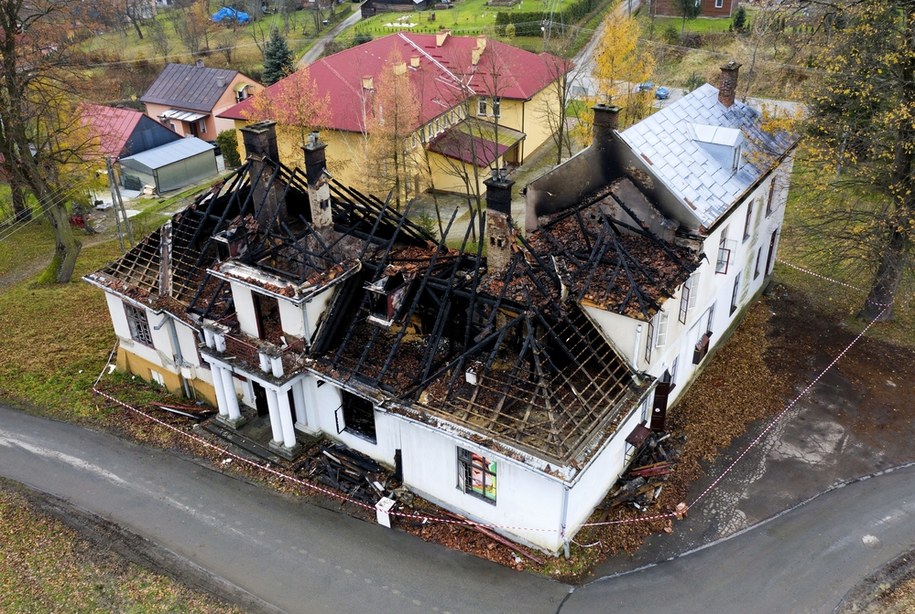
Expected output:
(483, 477)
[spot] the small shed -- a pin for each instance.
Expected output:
(171, 166)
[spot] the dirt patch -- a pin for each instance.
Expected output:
(891, 590)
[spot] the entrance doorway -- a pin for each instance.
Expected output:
(260, 399)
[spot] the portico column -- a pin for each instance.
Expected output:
(298, 397)
(231, 398)
(220, 393)
(273, 407)
(286, 420)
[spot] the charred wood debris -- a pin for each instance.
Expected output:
(641, 484)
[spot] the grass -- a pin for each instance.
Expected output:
(56, 338)
(805, 249)
(47, 567)
(126, 45)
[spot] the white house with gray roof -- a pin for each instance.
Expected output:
(712, 176)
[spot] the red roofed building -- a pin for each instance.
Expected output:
(473, 91)
(123, 132)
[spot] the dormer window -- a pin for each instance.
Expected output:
(386, 298)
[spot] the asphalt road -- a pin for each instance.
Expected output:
(294, 556)
(300, 558)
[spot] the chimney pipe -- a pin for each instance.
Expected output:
(414, 61)
(606, 120)
(441, 37)
(727, 87)
(499, 232)
(260, 145)
(367, 83)
(316, 175)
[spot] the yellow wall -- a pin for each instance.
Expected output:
(131, 363)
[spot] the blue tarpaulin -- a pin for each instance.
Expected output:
(231, 14)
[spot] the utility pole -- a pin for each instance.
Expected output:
(118, 203)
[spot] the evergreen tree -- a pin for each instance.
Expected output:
(277, 58)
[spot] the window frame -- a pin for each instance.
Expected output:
(719, 4)
(138, 324)
(735, 291)
(649, 343)
(496, 105)
(748, 222)
(481, 105)
(769, 208)
(468, 462)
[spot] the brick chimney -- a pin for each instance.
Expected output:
(260, 145)
(499, 231)
(316, 174)
(727, 88)
(606, 120)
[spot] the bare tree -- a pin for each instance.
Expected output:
(41, 137)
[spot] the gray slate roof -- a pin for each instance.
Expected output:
(683, 149)
(170, 153)
(190, 87)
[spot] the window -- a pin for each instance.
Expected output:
(769, 202)
(724, 255)
(202, 126)
(719, 4)
(734, 294)
(661, 338)
(758, 259)
(746, 224)
(477, 475)
(358, 416)
(649, 342)
(481, 105)
(139, 324)
(688, 296)
(496, 106)
(673, 371)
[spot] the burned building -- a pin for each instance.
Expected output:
(500, 381)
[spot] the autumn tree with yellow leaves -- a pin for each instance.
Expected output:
(620, 64)
(861, 144)
(393, 119)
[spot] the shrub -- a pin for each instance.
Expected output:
(228, 144)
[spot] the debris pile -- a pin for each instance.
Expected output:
(643, 482)
(349, 472)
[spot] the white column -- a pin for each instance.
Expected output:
(298, 397)
(220, 393)
(286, 420)
(229, 392)
(274, 408)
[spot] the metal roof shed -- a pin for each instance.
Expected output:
(173, 165)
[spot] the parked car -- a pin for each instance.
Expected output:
(647, 86)
(662, 93)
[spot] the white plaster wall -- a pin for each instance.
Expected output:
(314, 309)
(598, 476)
(528, 504)
(161, 353)
(244, 309)
(619, 330)
(292, 318)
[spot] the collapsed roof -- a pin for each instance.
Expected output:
(419, 327)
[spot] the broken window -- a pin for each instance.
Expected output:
(724, 255)
(650, 341)
(386, 298)
(358, 416)
(138, 323)
(477, 475)
(267, 314)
